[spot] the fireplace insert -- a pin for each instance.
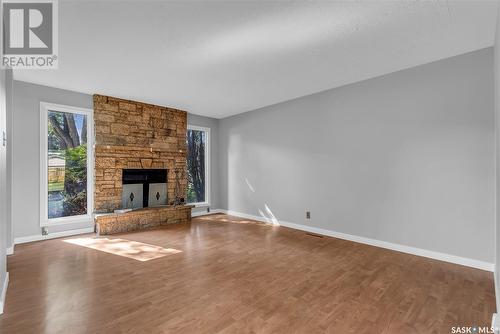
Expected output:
(144, 188)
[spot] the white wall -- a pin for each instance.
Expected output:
(3, 188)
(406, 158)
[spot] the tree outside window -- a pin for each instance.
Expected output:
(196, 165)
(67, 164)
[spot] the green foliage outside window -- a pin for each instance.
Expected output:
(196, 141)
(67, 164)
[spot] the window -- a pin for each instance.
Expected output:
(198, 148)
(66, 164)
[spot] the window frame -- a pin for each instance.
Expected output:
(207, 164)
(45, 221)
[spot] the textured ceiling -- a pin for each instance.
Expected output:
(222, 58)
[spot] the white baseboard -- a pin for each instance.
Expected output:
(374, 242)
(31, 238)
(4, 292)
(204, 213)
(10, 250)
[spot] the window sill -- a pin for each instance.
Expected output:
(67, 221)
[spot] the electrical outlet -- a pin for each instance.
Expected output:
(308, 214)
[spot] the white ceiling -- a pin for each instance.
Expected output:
(222, 58)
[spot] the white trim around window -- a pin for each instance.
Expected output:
(44, 111)
(207, 164)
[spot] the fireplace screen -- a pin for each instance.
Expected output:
(132, 195)
(144, 188)
(157, 194)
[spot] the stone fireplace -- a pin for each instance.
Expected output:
(135, 140)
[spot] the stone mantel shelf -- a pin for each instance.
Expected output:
(177, 207)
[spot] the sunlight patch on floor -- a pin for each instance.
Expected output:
(131, 249)
(220, 218)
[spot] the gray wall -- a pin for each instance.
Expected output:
(213, 124)
(406, 158)
(26, 153)
(3, 183)
(5, 237)
(9, 83)
(497, 128)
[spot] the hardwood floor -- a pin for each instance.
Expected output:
(237, 276)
